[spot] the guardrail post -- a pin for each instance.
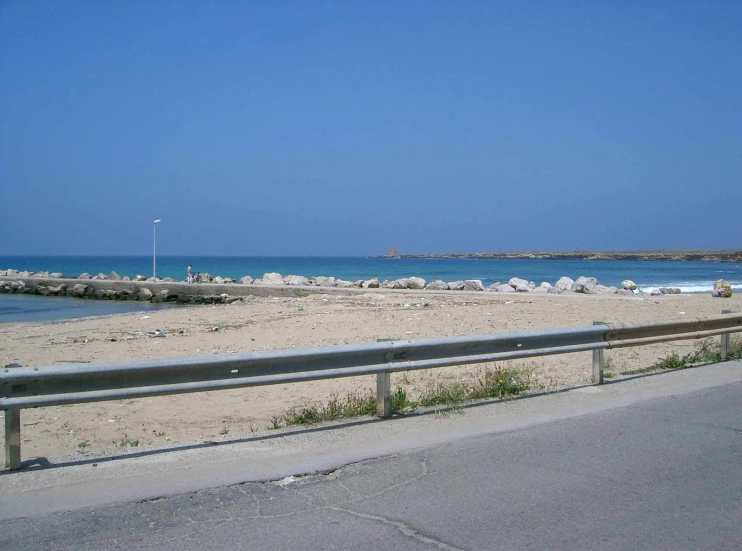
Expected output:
(384, 394)
(12, 434)
(598, 362)
(724, 344)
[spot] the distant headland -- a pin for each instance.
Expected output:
(734, 255)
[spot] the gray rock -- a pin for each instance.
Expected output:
(628, 292)
(246, 280)
(655, 292)
(123, 295)
(555, 290)
(218, 280)
(163, 296)
(24, 274)
(41, 274)
(540, 289)
(590, 287)
(345, 284)
(202, 278)
(78, 290)
(722, 289)
(169, 280)
(322, 281)
(140, 278)
(520, 285)
(84, 275)
(545, 285)
(416, 283)
(456, 285)
(144, 294)
(504, 288)
(272, 278)
(581, 282)
(56, 275)
(126, 278)
(403, 283)
(628, 284)
(43, 291)
(59, 289)
(437, 285)
(296, 280)
(101, 276)
(104, 294)
(670, 290)
(473, 285)
(607, 290)
(371, 284)
(564, 284)
(114, 276)
(229, 281)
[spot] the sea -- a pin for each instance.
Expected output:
(690, 277)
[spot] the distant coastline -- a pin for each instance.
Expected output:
(671, 255)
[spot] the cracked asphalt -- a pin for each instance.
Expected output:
(659, 472)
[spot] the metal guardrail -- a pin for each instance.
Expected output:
(26, 387)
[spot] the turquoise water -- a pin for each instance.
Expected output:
(690, 277)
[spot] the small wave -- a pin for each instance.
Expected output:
(697, 287)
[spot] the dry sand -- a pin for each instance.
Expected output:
(273, 323)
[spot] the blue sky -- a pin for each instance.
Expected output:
(342, 128)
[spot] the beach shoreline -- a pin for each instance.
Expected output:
(273, 322)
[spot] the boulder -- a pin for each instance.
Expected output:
(503, 288)
(246, 280)
(473, 285)
(24, 274)
(579, 284)
(582, 282)
(169, 280)
(371, 284)
(17, 287)
(541, 290)
(57, 275)
(437, 285)
(590, 287)
(163, 296)
(670, 290)
(456, 285)
(344, 284)
(272, 278)
(722, 289)
(126, 278)
(555, 290)
(84, 275)
(104, 294)
(59, 289)
(628, 284)
(520, 285)
(417, 283)
(43, 290)
(402, 283)
(218, 280)
(546, 285)
(322, 281)
(114, 276)
(78, 290)
(296, 280)
(101, 276)
(40, 274)
(202, 278)
(144, 294)
(655, 292)
(607, 290)
(123, 295)
(564, 284)
(229, 281)
(625, 292)
(140, 278)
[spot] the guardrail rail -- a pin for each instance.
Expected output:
(29, 387)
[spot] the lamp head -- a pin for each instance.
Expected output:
(157, 221)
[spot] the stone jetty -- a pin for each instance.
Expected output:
(219, 290)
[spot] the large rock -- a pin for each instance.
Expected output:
(628, 284)
(84, 275)
(590, 287)
(346, 284)
(101, 275)
(163, 296)
(403, 283)
(272, 278)
(57, 275)
(670, 290)
(607, 290)
(722, 289)
(416, 283)
(625, 292)
(323, 281)
(473, 285)
(140, 278)
(40, 274)
(581, 282)
(564, 284)
(144, 294)
(502, 288)
(218, 280)
(520, 285)
(202, 278)
(104, 294)
(546, 285)
(296, 280)
(59, 289)
(246, 280)
(78, 290)
(456, 285)
(437, 285)
(371, 284)
(114, 276)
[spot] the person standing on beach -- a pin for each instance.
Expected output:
(189, 274)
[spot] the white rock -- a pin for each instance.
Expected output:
(246, 280)
(520, 285)
(416, 283)
(272, 278)
(564, 284)
(296, 280)
(628, 284)
(473, 285)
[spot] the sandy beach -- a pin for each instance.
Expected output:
(266, 323)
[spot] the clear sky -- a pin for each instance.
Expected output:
(342, 128)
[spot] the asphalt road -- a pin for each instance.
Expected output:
(658, 473)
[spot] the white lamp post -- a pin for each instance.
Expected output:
(154, 249)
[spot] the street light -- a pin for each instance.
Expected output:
(154, 249)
